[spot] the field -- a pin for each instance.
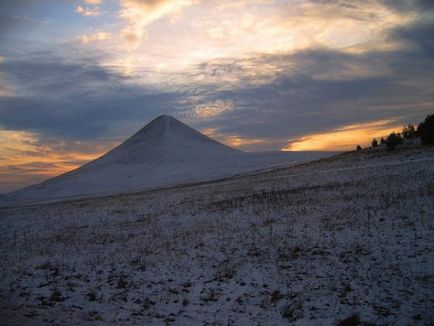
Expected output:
(317, 243)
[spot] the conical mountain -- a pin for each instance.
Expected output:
(164, 140)
(165, 152)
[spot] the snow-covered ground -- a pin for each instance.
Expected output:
(310, 244)
(165, 152)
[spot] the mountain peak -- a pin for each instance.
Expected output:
(159, 128)
(164, 139)
(165, 117)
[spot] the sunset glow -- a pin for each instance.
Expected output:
(233, 140)
(24, 157)
(344, 138)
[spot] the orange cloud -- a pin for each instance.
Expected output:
(343, 138)
(141, 13)
(98, 36)
(233, 140)
(24, 159)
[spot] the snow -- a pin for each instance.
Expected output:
(164, 153)
(309, 244)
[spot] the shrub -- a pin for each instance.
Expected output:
(122, 283)
(91, 296)
(353, 320)
(374, 143)
(425, 130)
(276, 296)
(56, 295)
(359, 148)
(393, 140)
(408, 131)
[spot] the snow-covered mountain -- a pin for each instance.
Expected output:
(165, 152)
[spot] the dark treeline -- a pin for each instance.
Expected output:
(424, 131)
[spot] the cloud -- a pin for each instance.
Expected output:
(27, 158)
(398, 5)
(233, 139)
(10, 25)
(77, 99)
(268, 98)
(87, 12)
(322, 89)
(140, 13)
(98, 36)
(256, 101)
(93, 2)
(210, 109)
(409, 5)
(419, 36)
(213, 30)
(298, 25)
(6, 89)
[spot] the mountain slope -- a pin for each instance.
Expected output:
(163, 153)
(164, 139)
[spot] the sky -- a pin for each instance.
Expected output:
(77, 77)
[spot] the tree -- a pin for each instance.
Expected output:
(393, 140)
(374, 143)
(408, 131)
(425, 130)
(359, 148)
(382, 141)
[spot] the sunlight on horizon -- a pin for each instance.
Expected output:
(344, 138)
(23, 157)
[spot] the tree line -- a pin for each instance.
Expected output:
(424, 131)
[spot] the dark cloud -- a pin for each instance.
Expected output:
(74, 100)
(420, 35)
(323, 89)
(310, 91)
(14, 17)
(399, 5)
(409, 5)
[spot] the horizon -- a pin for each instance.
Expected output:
(168, 117)
(79, 77)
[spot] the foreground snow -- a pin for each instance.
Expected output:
(311, 244)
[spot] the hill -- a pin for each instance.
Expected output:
(165, 152)
(311, 244)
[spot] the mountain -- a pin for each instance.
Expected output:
(163, 140)
(165, 152)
